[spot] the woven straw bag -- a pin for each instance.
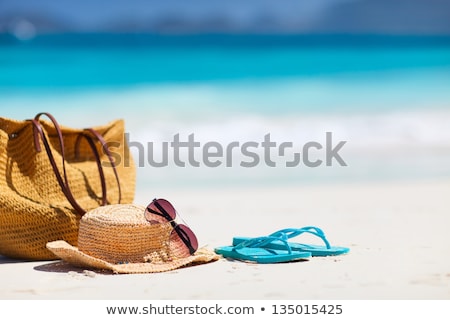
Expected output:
(51, 175)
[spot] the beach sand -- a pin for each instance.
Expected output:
(397, 232)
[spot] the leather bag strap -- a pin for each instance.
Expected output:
(97, 160)
(62, 179)
(106, 150)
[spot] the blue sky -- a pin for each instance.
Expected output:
(377, 16)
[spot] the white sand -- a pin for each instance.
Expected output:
(398, 233)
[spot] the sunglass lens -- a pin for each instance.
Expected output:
(185, 238)
(160, 208)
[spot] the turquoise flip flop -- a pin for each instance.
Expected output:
(285, 234)
(256, 250)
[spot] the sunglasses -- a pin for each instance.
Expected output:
(161, 210)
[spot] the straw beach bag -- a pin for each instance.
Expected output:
(51, 175)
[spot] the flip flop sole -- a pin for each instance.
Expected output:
(261, 255)
(315, 250)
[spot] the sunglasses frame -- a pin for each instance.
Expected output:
(181, 233)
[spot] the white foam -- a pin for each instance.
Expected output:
(388, 141)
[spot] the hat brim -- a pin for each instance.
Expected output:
(72, 255)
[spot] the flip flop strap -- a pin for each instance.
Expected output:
(289, 233)
(261, 242)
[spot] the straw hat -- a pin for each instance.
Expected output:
(119, 238)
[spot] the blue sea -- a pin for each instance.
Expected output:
(387, 97)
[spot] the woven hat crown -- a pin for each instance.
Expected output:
(121, 234)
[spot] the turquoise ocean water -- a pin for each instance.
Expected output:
(388, 97)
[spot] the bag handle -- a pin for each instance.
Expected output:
(62, 179)
(97, 160)
(105, 148)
